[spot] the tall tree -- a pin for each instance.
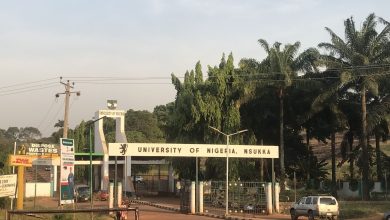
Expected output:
(360, 57)
(200, 103)
(283, 66)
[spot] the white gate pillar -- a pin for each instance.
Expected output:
(200, 197)
(119, 195)
(277, 192)
(192, 201)
(111, 196)
(268, 197)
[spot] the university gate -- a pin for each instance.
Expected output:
(245, 198)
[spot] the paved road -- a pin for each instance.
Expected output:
(152, 213)
(146, 212)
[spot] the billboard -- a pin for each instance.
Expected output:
(192, 150)
(67, 171)
(41, 149)
(7, 185)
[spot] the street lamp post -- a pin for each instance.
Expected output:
(227, 164)
(90, 156)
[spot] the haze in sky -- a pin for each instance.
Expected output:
(142, 43)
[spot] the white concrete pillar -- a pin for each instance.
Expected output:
(55, 176)
(111, 196)
(277, 192)
(268, 197)
(119, 195)
(192, 203)
(105, 167)
(120, 136)
(200, 197)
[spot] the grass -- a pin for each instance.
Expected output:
(362, 209)
(342, 173)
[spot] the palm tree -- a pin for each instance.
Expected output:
(326, 117)
(283, 66)
(360, 58)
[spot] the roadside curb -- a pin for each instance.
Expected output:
(178, 210)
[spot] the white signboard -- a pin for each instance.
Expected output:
(192, 150)
(112, 113)
(46, 161)
(67, 171)
(42, 149)
(7, 185)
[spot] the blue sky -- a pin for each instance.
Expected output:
(148, 38)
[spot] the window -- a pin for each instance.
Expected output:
(308, 200)
(327, 201)
(315, 200)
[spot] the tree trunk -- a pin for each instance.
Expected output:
(351, 162)
(333, 147)
(363, 144)
(261, 166)
(378, 158)
(309, 150)
(281, 141)
(351, 168)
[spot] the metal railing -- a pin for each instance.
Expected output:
(58, 211)
(245, 198)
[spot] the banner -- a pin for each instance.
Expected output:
(67, 171)
(42, 149)
(192, 150)
(7, 185)
(20, 160)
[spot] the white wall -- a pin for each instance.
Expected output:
(43, 189)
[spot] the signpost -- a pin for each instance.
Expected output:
(195, 150)
(7, 185)
(67, 171)
(192, 150)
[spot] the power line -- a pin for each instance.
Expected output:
(109, 80)
(51, 122)
(24, 91)
(250, 77)
(27, 83)
(27, 87)
(47, 113)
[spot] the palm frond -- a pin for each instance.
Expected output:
(370, 23)
(377, 112)
(264, 44)
(307, 61)
(350, 31)
(338, 45)
(383, 21)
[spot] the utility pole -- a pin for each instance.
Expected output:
(67, 93)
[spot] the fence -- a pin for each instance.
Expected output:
(152, 185)
(245, 198)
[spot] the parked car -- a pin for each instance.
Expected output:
(82, 193)
(102, 195)
(386, 216)
(315, 206)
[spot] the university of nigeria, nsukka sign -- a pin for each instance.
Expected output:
(192, 150)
